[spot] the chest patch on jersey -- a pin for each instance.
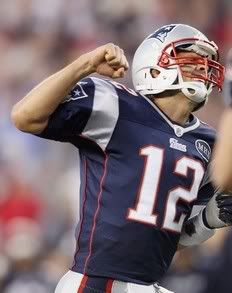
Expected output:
(174, 144)
(76, 93)
(203, 149)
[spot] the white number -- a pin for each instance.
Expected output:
(184, 194)
(146, 200)
(148, 190)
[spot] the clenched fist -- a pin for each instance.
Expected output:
(108, 60)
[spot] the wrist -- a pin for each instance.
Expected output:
(83, 67)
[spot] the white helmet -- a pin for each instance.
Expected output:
(159, 51)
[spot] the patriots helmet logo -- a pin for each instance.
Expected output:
(76, 93)
(162, 33)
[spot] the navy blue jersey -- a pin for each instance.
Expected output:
(141, 174)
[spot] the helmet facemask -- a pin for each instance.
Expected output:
(199, 83)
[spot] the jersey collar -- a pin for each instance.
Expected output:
(179, 130)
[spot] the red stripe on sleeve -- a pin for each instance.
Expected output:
(83, 284)
(109, 286)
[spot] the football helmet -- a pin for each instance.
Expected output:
(159, 51)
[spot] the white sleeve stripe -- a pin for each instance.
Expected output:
(105, 112)
(196, 210)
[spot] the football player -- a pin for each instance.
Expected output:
(145, 186)
(222, 163)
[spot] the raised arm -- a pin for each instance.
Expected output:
(31, 114)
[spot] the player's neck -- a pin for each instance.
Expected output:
(177, 108)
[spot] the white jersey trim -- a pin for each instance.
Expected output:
(105, 113)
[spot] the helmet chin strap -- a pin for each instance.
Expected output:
(195, 91)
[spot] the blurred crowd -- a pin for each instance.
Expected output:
(39, 179)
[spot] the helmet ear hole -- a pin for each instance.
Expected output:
(154, 72)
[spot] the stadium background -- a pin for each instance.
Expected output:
(39, 179)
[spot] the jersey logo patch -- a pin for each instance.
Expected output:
(76, 93)
(174, 144)
(162, 33)
(203, 149)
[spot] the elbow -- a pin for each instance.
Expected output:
(24, 122)
(19, 119)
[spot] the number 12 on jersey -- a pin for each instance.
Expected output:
(149, 189)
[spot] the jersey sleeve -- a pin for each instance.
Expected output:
(89, 111)
(206, 191)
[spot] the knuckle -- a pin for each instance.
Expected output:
(117, 61)
(118, 49)
(110, 45)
